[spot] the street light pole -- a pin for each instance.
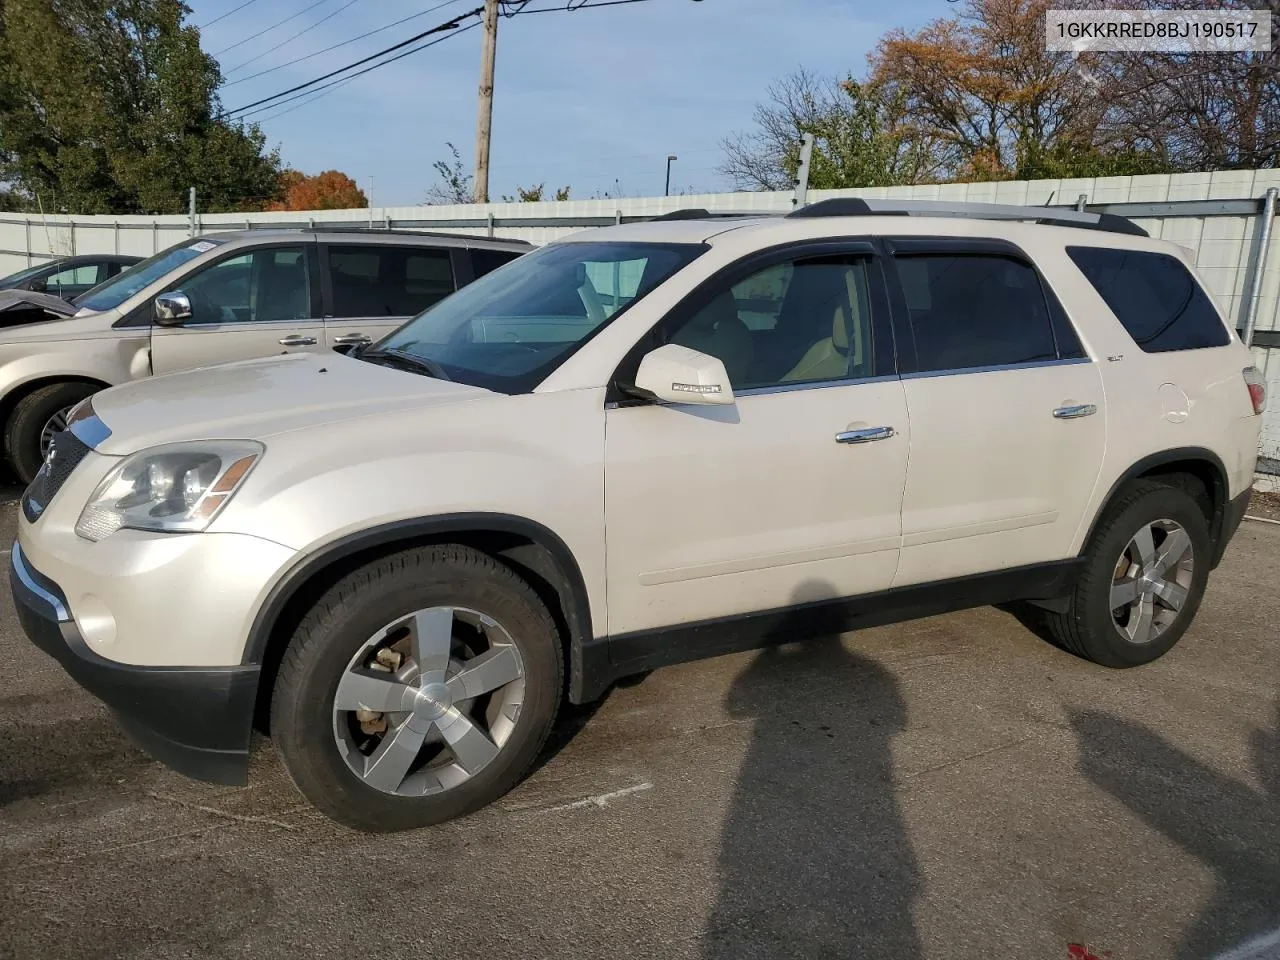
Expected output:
(667, 193)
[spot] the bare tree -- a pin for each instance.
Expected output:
(1207, 111)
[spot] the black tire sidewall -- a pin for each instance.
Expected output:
(302, 722)
(22, 436)
(1104, 641)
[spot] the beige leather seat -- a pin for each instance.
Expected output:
(841, 353)
(717, 330)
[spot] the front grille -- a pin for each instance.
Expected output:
(65, 453)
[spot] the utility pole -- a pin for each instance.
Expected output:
(370, 199)
(191, 212)
(484, 123)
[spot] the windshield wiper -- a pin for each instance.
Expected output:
(406, 361)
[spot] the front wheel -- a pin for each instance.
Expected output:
(1144, 577)
(419, 688)
(36, 418)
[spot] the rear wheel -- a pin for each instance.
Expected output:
(418, 689)
(36, 418)
(1144, 577)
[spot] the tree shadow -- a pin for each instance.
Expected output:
(1227, 825)
(815, 861)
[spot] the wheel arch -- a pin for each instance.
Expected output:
(1198, 462)
(27, 387)
(535, 552)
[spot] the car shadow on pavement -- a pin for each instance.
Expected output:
(1228, 825)
(815, 861)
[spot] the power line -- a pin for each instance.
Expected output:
(225, 15)
(359, 73)
(448, 25)
(282, 43)
(289, 63)
(280, 23)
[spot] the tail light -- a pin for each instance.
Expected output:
(1257, 388)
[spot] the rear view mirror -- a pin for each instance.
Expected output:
(677, 374)
(172, 308)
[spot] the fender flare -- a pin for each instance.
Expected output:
(1219, 492)
(566, 578)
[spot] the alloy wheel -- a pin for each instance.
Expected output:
(1152, 581)
(428, 701)
(55, 424)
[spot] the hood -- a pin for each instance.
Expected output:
(43, 306)
(255, 399)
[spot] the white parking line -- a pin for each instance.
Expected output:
(600, 800)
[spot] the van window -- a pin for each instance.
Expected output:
(387, 281)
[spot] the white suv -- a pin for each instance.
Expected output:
(637, 446)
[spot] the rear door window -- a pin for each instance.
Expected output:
(1155, 298)
(387, 281)
(971, 310)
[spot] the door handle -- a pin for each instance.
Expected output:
(1074, 410)
(865, 435)
(347, 338)
(297, 340)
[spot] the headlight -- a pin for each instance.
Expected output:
(176, 488)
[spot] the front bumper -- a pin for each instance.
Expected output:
(197, 720)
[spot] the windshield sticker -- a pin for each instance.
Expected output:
(203, 246)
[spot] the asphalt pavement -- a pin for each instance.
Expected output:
(953, 787)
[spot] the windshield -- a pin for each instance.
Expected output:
(508, 330)
(15, 278)
(112, 293)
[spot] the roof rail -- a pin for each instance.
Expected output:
(338, 227)
(1051, 216)
(697, 213)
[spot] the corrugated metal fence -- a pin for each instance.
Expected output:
(1218, 215)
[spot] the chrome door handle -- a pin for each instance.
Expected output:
(1075, 410)
(297, 340)
(865, 435)
(347, 338)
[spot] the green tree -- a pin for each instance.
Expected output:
(535, 194)
(110, 106)
(454, 183)
(862, 138)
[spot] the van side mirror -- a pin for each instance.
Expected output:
(38, 286)
(172, 308)
(677, 374)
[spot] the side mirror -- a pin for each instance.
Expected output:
(172, 308)
(38, 286)
(677, 374)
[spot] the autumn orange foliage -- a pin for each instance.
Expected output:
(330, 190)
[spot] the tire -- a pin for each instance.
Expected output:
(22, 445)
(333, 755)
(1091, 628)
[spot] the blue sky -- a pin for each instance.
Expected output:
(583, 98)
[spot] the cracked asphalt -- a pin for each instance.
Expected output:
(952, 787)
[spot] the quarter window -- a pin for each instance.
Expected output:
(969, 310)
(390, 281)
(1155, 298)
(803, 321)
